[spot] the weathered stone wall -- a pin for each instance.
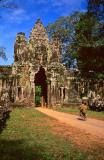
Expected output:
(32, 54)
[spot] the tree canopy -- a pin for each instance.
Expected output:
(90, 39)
(82, 38)
(64, 29)
(96, 7)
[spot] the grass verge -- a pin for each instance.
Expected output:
(28, 136)
(75, 111)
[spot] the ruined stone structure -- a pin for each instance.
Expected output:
(37, 64)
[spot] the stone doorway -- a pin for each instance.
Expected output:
(41, 88)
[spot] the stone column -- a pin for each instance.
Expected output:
(22, 95)
(4, 84)
(62, 94)
(55, 95)
(17, 98)
(32, 76)
(33, 87)
(49, 95)
(66, 95)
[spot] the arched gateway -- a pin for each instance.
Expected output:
(41, 88)
(37, 70)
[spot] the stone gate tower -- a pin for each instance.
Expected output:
(37, 63)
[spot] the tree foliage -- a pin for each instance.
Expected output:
(64, 29)
(82, 38)
(90, 39)
(96, 7)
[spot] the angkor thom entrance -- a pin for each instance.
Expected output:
(38, 76)
(40, 88)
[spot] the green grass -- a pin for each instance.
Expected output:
(29, 137)
(75, 111)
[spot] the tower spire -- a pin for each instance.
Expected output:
(39, 43)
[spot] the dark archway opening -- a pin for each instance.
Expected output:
(64, 91)
(41, 82)
(19, 92)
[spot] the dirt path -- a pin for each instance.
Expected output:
(91, 126)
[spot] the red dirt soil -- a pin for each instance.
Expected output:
(87, 135)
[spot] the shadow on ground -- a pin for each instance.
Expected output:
(18, 150)
(81, 119)
(3, 121)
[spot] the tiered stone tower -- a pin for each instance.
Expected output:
(37, 62)
(20, 49)
(56, 49)
(39, 49)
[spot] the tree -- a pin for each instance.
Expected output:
(96, 7)
(64, 29)
(90, 39)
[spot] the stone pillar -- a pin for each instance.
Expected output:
(32, 82)
(49, 95)
(33, 87)
(17, 98)
(62, 94)
(53, 95)
(22, 95)
(57, 93)
(66, 95)
(4, 84)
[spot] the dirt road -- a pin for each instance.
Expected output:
(91, 126)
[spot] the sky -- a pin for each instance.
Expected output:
(23, 18)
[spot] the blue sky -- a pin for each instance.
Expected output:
(24, 17)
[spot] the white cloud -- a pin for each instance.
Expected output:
(63, 6)
(16, 15)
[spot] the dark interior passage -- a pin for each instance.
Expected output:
(41, 80)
